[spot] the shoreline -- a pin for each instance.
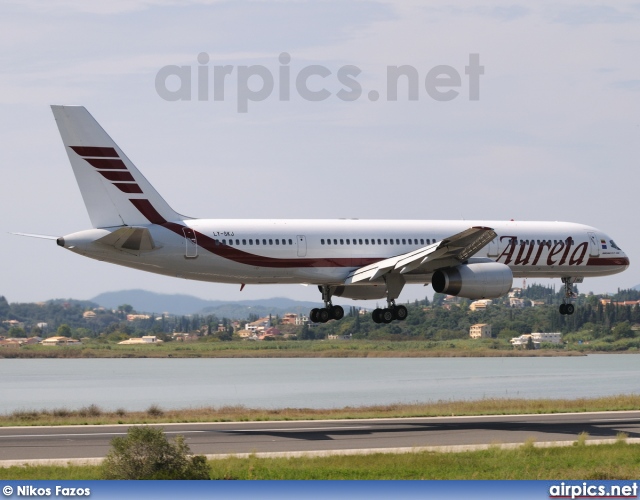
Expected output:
(386, 350)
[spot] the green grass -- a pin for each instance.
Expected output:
(93, 415)
(286, 349)
(616, 461)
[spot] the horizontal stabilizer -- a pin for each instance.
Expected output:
(134, 239)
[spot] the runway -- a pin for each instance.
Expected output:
(26, 444)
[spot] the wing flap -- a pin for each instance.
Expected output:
(457, 248)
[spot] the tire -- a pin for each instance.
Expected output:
(387, 316)
(563, 309)
(337, 313)
(323, 315)
(400, 313)
(569, 309)
(313, 315)
(376, 315)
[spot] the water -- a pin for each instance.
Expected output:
(136, 384)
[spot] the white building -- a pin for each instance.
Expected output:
(480, 304)
(551, 338)
(147, 339)
(537, 339)
(480, 331)
(523, 340)
(258, 326)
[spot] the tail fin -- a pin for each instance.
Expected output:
(114, 191)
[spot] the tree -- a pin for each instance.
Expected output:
(306, 333)
(530, 344)
(146, 453)
(622, 331)
(125, 309)
(5, 308)
(16, 332)
(64, 331)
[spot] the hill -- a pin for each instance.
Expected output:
(179, 304)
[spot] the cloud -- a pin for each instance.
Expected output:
(593, 14)
(633, 85)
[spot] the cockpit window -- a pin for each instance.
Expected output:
(612, 243)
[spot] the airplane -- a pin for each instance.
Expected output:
(133, 226)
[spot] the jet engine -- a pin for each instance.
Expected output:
(486, 280)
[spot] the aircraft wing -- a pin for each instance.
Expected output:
(450, 251)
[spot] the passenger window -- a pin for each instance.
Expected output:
(348, 242)
(342, 242)
(250, 242)
(264, 241)
(322, 241)
(397, 241)
(335, 242)
(391, 241)
(422, 241)
(328, 242)
(290, 242)
(366, 241)
(277, 242)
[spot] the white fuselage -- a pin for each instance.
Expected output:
(326, 251)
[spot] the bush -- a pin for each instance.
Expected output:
(155, 411)
(145, 453)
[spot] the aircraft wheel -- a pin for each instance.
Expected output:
(323, 315)
(313, 315)
(400, 313)
(386, 316)
(569, 309)
(337, 312)
(563, 309)
(376, 315)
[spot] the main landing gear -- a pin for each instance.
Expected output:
(567, 307)
(329, 311)
(393, 286)
(390, 313)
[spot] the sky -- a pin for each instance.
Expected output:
(549, 131)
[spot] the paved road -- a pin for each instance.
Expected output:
(29, 443)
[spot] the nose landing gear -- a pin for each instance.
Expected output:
(567, 307)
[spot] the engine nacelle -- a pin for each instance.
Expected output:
(486, 280)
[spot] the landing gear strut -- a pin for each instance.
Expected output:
(329, 311)
(567, 307)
